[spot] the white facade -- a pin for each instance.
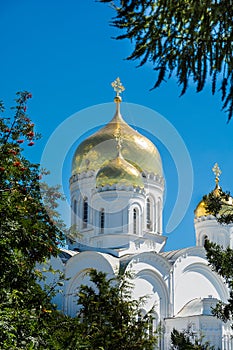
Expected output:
(208, 227)
(118, 225)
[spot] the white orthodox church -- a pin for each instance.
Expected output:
(116, 191)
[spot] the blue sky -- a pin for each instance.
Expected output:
(63, 52)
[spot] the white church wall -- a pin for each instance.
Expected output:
(154, 188)
(199, 325)
(227, 338)
(152, 278)
(111, 241)
(76, 272)
(231, 236)
(116, 205)
(80, 189)
(135, 225)
(208, 227)
(193, 278)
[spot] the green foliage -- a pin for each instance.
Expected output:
(219, 204)
(110, 318)
(28, 233)
(28, 319)
(221, 262)
(180, 341)
(187, 340)
(190, 39)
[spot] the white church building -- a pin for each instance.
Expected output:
(116, 191)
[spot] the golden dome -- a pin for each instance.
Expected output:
(95, 152)
(119, 172)
(201, 209)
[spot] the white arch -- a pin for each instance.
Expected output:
(85, 212)
(148, 282)
(131, 219)
(151, 276)
(213, 277)
(152, 214)
(76, 271)
(197, 280)
(159, 216)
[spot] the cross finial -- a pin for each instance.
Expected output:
(217, 172)
(118, 88)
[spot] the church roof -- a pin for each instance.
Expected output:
(198, 306)
(66, 254)
(173, 255)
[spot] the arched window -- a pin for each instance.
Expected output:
(159, 216)
(148, 214)
(102, 217)
(204, 238)
(74, 211)
(85, 212)
(75, 207)
(135, 221)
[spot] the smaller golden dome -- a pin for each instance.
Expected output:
(201, 209)
(119, 172)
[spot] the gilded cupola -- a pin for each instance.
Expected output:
(201, 209)
(97, 150)
(118, 171)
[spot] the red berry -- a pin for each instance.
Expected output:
(12, 151)
(31, 143)
(24, 108)
(30, 133)
(29, 95)
(17, 163)
(20, 141)
(2, 168)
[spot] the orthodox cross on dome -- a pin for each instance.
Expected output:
(118, 87)
(217, 172)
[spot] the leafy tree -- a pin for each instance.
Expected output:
(28, 236)
(189, 39)
(219, 204)
(28, 233)
(182, 341)
(110, 318)
(221, 262)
